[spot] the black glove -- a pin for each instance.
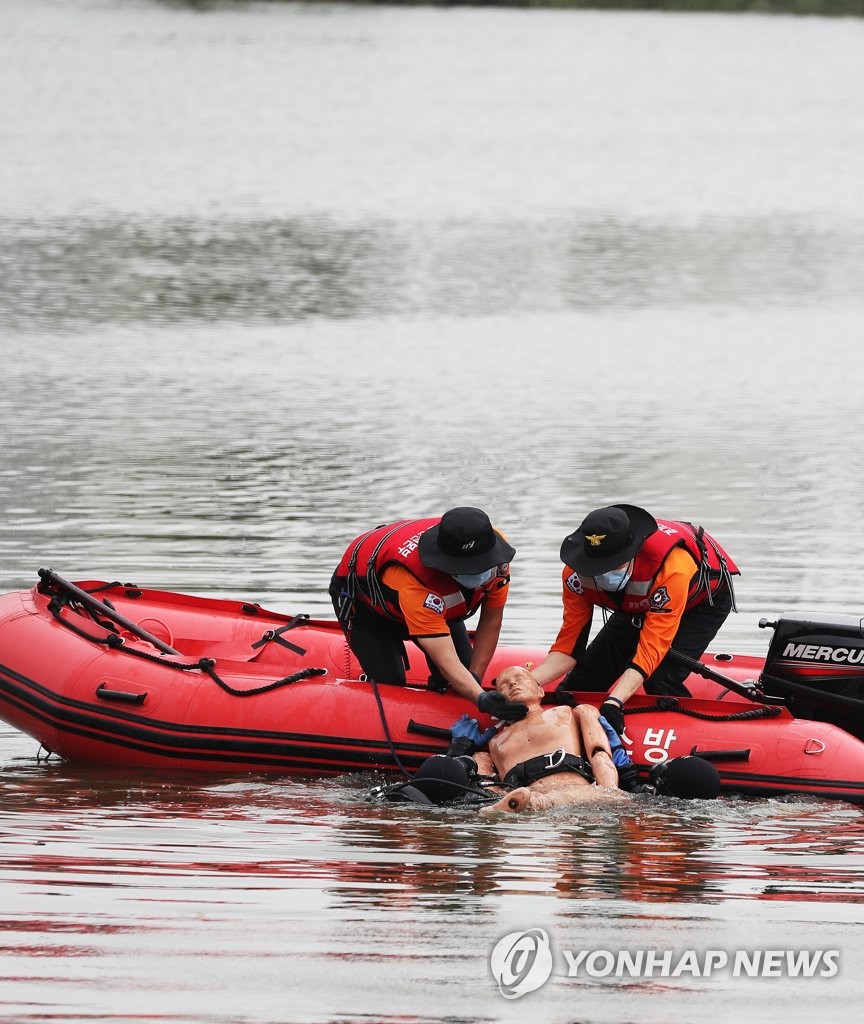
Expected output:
(628, 779)
(612, 709)
(497, 705)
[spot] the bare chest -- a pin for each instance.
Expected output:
(552, 729)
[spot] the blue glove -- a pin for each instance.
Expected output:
(470, 729)
(619, 755)
(466, 736)
(628, 773)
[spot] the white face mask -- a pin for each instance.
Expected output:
(475, 580)
(615, 579)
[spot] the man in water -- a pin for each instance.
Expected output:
(558, 755)
(554, 757)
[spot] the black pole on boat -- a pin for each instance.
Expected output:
(701, 669)
(49, 576)
(428, 730)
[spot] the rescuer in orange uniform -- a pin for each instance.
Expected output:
(418, 580)
(667, 585)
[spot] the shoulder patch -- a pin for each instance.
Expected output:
(434, 603)
(659, 599)
(573, 583)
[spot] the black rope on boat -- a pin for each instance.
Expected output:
(59, 602)
(110, 586)
(47, 587)
(671, 704)
(206, 665)
(56, 606)
(75, 597)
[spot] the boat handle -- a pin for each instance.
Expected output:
(814, 746)
(721, 755)
(428, 730)
(121, 696)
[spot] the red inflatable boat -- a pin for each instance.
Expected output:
(113, 674)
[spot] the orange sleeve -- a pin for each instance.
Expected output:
(668, 601)
(497, 592)
(421, 619)
(578, 611)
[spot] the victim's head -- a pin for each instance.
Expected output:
(518, 685)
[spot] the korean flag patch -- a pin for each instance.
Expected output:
(573, 583)
(434, 603)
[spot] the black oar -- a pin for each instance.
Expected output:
(49, 576)
(732, 684)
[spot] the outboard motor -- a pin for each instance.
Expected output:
(818, 666)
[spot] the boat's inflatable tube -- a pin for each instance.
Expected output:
(132, 677)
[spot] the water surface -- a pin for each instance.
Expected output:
(273, 273)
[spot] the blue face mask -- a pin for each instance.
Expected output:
(472, 582)
(615, 579)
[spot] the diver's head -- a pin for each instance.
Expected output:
(442, 779)
(688, 778)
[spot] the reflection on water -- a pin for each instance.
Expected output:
(72, 274)
(62, 826)
(242, 886)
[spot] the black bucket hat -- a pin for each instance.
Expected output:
(607, 538)
(464, 542)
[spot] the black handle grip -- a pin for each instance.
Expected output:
(121, 696)
(721, 755)
(428, 730)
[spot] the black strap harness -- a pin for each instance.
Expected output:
(706, 574)
(368, 585)
(548, 764)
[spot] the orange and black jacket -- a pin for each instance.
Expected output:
(678, 567)
(383, 570)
